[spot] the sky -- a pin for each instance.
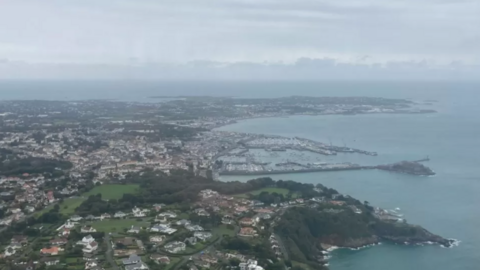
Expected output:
(225, 39)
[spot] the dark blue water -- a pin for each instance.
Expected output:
(447, 204)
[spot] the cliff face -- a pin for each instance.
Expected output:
(338, 241)
(308, 231)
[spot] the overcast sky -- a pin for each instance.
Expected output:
(88, 38)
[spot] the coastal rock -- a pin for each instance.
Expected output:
(354, 243)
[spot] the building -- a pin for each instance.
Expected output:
(76, 218)
(203, 236)
(133, 259)
(135, 229)
(175, 247)
(247, 232)
(87, 229)
(58, 242)
(51, 251)
(119, 214)
(90, 247)
(247, 221)
(134, 262)
(160, 259)
(157, 239)
(160, 228)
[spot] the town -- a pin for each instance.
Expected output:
(75, 179)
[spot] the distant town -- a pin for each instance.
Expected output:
(77, 183)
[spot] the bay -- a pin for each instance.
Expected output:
(446, 204)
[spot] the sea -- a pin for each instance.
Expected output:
(447, 204)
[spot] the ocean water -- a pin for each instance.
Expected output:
(447, 204)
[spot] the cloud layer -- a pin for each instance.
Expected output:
(269, 36)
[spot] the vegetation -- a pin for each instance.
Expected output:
(117, 225)
(110, 192)
(13, 165)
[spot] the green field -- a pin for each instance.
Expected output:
(283, 191)
(117, 225)
(222, 230)
(67, 207)
(110, 192)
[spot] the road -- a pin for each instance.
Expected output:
(109, 253)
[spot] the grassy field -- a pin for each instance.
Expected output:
(110, 192)
(67, 207)
(117, 225)
(283, 191)
(222, 230)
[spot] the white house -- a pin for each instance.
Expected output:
(87, 229)
(90, 247)
(76, 218)
(168, 214)
(119, 214)
(202, 236)
(86, 240)
(175, 247)
(162, 229)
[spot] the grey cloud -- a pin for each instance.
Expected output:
(80, 33)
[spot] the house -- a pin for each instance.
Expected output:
(58, 242)
(64, 232)
(119, 214)
(250, 265)
(194, 228)
(105, 216)
(227, 220)
(91, 265)
(175, 247)
(160, 259)
(157, 239)
(158, 207)
(50, 197)
(126, 241)
(69, 224)
(191, 240)
(168, 214)
(163, 229)
(19, 239)
(355, 209)
(137, 266)
(133, 259)
(134, 262)
(87, 229)
(51, 251)
(208, 258)
(202, 212)
(86, 240)
(183, 222)
(202, 236)
(137, 212)
(76, 218)
(247, 221)
(91, 217)
(51, 261)
(247, 232)
(90, 247)
(257, 203)
(135, 229)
